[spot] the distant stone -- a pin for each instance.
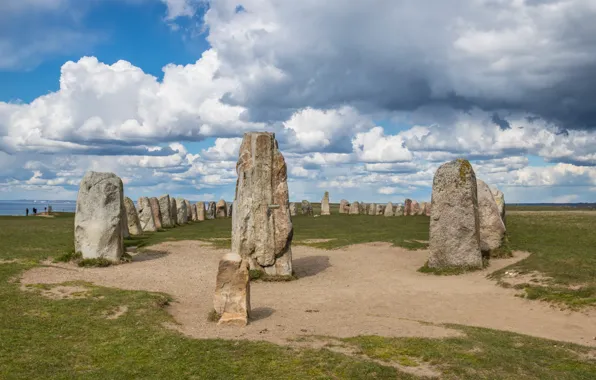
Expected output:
(156, 211)
(427, 208)
(200, 211)
(188, 211)
(344, 207)
(232, 291)
(408, 207)
(98, 217)
(389, 209)
(380, 209)
(362, 207)
(221, 209)
(174, 211)
(399, 210)
(229, 206)
(146, 215)
(415, 208)
(500, 200)
(262, 228)
(293, 209)
(492, 228)
(166, 211)
(454, 220)
(132, 217)
(181, 212)
(124, 223)
(210, 213)
(325, 210)
(372, 209)
(306, 208)
(354, 208)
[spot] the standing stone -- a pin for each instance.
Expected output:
(293, 209)
(200, 211)
(132, 217)
(500, 200)
(380, 210)
(98, 218)
(389, 209)
(181, 211)
(221, 209)
(492, 228)
(124, 224)
(188, 211)
(194, 216)
(146, 215)
(354, 208)
(174, 211)
(211, 210)
(372, 209)
(408, 207)
(306, 208)
(454, 220)
(415, 208)
(166, 211)
(344, 207)
(325, 210)
(427, 209)
(399, 210)
(362, 207)
(229, 206)
(156, 211)
(261, 224)
(232, 291)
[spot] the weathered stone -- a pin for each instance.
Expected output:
(454, 220)
(156, 211)
(293, 208)
(98, 218)
(306, 208)
(408, 207)
(166, 211)
(261, 224)
(194, 216)
(200, 211)
(425, 208)
(372, 209)
(232, 291)
(146, 215)
(229, 206)
(380, 210)
(415, 208)
(188, 211)
(221, 209)
(325, 210)
(399, 210)
(210, 213)
(181, 211)
(500, 200)
(492, 228)
(362, 207)
(354, 208)
(344, 207)
(132, 217)
(174, 211)
(124, 223)
(389, 209)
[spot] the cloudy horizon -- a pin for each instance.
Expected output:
(366, 98)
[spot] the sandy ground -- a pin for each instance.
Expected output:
(360, 290)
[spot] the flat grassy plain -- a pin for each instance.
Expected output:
(72, 338)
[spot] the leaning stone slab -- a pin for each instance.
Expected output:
(261, 224)
(325, 210)
(166, 211)
(221, 209)
(98, 217)
(454, 220)
(210, 213)
(492, 228)
(232, 291)
(354, 208)
(200, 211)
(181, 211)
(132, 217)
(156, 212)
(389, 209)
(146, 215)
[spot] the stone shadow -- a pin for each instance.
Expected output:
(261, 313)
(310, 266)
(147, 255)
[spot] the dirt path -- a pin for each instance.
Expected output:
(370, 289)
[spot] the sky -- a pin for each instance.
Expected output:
(367, 98)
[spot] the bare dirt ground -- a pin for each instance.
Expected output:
(367, 289)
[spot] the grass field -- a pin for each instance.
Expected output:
(72, 338)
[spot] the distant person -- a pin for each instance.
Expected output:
(34, 211)
(26, 212)
(45, 209)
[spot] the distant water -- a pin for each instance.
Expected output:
(18, 207)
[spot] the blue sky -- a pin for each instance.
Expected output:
(161, 91)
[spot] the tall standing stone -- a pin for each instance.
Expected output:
(389, 209)
(372, 209)
(200, 211)
(132, 217)
(380, 210)
(399, 210)
(98, 218)
(293, 208)
(156, 210)
(344, 207)
(210, 210)
(174, 211)
(146, 215)
(166, 211)
(454, 221)
(325, 210)
(188, 211)
(124, 223)
(306, 208)
(261, 224)
(181, 211)
(408, 207)
(194, 216)
(500, 200)
(221, 209)
(354, 208)
(492, 228)
(232, 291)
